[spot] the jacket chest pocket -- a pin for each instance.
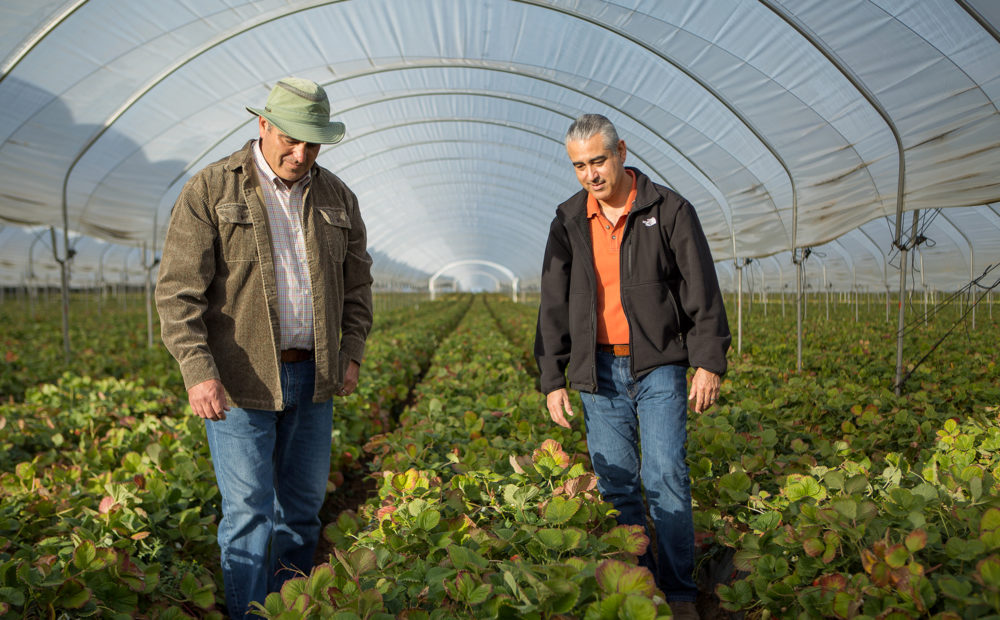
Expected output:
(236, 233)
(333, 228)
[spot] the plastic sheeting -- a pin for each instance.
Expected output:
(782, 122)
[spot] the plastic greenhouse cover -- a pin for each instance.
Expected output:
(782, 122)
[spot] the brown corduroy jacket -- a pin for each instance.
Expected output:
(216, 292)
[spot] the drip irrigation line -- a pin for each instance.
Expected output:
(956, 295)
(968, 287)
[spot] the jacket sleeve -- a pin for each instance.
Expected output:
(709, 338)
(552, 336)
(356, 320)
(187, 267)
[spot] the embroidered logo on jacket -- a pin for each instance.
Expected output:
(649, 221)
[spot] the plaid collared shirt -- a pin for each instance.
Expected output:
(284, 214)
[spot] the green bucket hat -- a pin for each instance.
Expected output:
(300, 109)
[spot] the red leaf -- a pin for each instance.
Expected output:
(107, 505)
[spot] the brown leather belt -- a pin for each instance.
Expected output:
(290, 356)
(620, 350)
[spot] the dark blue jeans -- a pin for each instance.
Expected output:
(636, 431)
(272, 468)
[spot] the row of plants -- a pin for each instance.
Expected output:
(108, 502)
(819, 493)
(107, 339)
(833, 497)
(483, 507)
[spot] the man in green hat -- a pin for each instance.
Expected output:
(264, 296)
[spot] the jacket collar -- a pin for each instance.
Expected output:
(242, 158)
(645, 196)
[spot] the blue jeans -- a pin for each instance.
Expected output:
(624, 418)
(272, 468)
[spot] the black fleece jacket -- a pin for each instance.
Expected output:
(669, 291)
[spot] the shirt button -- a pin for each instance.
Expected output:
(613, 237)
(607, 227)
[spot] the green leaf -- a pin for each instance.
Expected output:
(896, 556)
(799, 487)
(637, 608)
(560, 510)
(614, 576)
(428, 519)
(25, 472)
(12, 596)
(292, 590)
(519, 496)
(466, 589)
(989, 528)
(737, 596)
(958, 589)
(834, 479)
(990, 520)
(369, 601)
(766, 522)
(965, 550)
(552, 538)
(120, 599)
(463, 558)
(628, 538)
(320, 579)
(201, 595)
(85, 557)
(844, 604)
(564, 595)
(846, 507)
(358, 562)
(735, 486)
(916, 540)
(813, 547)
(73, 594)
(988, 571)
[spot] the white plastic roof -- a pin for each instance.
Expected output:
(783, 122)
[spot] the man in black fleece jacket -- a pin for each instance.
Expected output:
(630, 301)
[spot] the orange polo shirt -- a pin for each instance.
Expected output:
(612, 326)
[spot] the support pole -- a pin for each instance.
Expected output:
(972, 277)
(902, 314)
(854, 271)
(798, 315)
(827, 286)
(147, 263)
(64, 279)
(739, 308)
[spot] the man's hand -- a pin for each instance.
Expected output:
(704, 389)
(208, 400)
(350, 378)
(558, 404)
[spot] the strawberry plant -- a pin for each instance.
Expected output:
(480, 512)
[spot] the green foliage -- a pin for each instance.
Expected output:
(108, 501)
(840, 498)
(833, 496)
(484, 509)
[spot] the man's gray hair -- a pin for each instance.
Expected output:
(589, 125)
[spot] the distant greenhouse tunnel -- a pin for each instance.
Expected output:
(431, 283)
